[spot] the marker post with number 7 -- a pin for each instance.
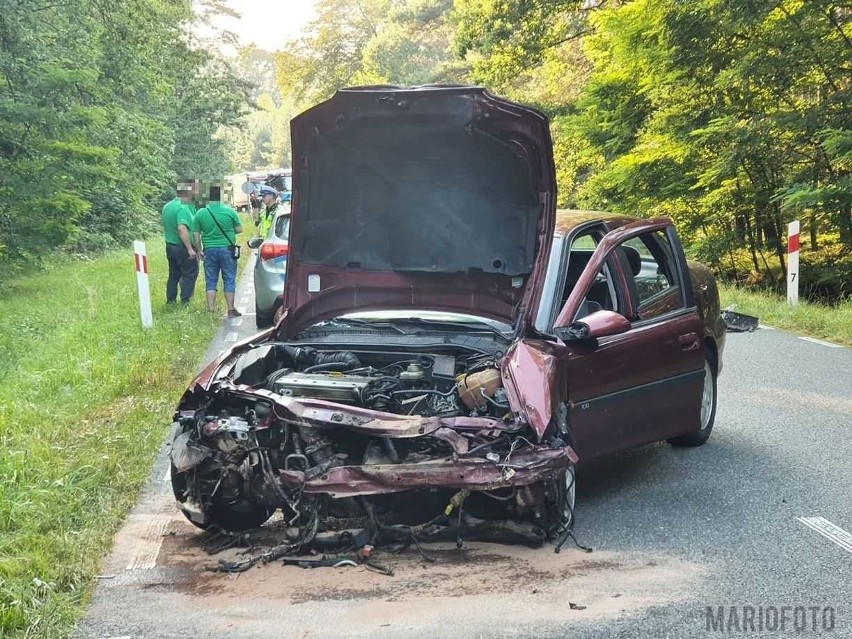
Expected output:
(141, 258)
(793, 263)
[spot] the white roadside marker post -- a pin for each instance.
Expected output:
(793, 263)
(142, 283)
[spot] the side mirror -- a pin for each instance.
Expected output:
(598, 324)
(255, 242)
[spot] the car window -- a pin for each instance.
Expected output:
(602, 294)
(548, 305)
(282, 227)
(655, 283)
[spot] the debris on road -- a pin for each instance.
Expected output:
(739, 322)
(357, 547)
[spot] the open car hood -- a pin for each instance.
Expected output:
(435, 198)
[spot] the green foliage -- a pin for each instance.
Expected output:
(412, 46)
(405, 42)
(732, 118)
(330, 55)
(510, 37)
(827, 273)
(102, 104)
(262, 139)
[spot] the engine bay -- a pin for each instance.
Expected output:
(337, 438)
(427, 384)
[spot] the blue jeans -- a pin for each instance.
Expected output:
(216, 260)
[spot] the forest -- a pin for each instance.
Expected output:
(732, 118)
(102, 105)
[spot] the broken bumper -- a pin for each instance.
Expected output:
(527, 467)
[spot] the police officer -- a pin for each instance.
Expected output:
(270, 209)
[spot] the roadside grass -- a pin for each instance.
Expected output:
(86, 397)
(833, 323)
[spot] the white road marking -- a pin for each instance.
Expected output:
(242, 310)
(820, 342)
(766, 326)
(829, 531)
(231, 337)
(147, 548)
(235, 321)
(168, 475)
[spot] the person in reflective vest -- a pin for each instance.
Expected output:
(271, 208)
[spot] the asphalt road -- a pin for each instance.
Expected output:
(673, 530)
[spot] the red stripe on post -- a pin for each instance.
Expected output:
(136, 257)
(145, 258)
(793, 243)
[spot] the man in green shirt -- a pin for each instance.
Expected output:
(181, 256)
(214, 231)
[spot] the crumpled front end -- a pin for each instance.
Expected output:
(422, 443)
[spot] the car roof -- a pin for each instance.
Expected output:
(569, 219)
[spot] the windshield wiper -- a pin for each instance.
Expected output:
(458, 326)
(348, 321)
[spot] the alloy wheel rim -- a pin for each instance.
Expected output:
(707, 397)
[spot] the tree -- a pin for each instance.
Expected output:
(722, 109)
(330, 55)
(101, 106)
(405, 42)
(413, 45)
(730, 117)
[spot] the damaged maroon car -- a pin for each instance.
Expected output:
(450, 342)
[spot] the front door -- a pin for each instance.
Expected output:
(644, 384)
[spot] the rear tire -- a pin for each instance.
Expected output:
(708, 406)
(262, 320)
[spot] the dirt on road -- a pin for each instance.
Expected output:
(158, 575)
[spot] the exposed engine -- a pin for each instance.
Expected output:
(339, 438)
(420, 384)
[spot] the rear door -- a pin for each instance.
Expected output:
(644, 384)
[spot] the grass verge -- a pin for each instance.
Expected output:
(86, 396)
(833, 323)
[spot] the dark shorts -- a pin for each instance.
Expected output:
(218, 260)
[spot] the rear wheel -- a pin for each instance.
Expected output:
(261, 319)
(708, 407)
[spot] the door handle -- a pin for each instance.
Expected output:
(688, 342)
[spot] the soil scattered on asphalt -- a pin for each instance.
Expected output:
(480, 575)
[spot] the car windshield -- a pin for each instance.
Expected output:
(428, 317)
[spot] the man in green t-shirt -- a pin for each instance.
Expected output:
(181, 256)
(214, 232)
